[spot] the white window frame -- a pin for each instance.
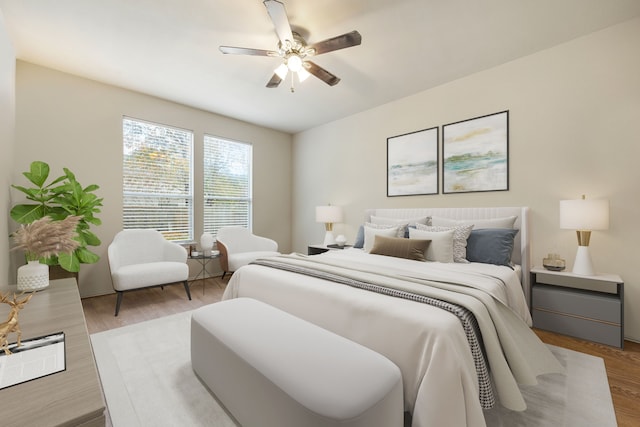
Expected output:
(188, 195)
(210, 226)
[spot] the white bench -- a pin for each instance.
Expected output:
(272, 369)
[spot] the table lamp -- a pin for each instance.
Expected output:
(328, 215)
(584, 215)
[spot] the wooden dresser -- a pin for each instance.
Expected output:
(69, 398)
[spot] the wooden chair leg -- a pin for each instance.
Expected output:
(118, 301)
(186, 288)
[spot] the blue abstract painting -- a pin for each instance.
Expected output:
(412, 163)
(476, 154)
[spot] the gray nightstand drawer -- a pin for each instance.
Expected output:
(590, 305)
(587, 307)
(588, 283)
(604, 333)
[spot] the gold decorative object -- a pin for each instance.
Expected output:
(553, 262)
(11, 325)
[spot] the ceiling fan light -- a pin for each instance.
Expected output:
(282, 71)
(303, 75)
(294, 62)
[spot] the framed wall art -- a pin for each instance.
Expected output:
(475, 154)
(412, 163)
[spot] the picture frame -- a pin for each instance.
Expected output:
(475, 154)
(413, 163)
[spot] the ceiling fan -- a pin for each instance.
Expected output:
(294, 51)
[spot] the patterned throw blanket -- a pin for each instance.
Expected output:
(467, 319)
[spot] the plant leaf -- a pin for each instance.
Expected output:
(90, 238)
(69, 262)
(25, 214)
(85, 256)
(38, 173)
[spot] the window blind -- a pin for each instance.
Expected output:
(157, 178)
(227, 183)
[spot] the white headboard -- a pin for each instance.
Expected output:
(521, 248)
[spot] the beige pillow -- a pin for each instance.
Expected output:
(460, 235)
(371, 231)
(399, 247)
(441, 247)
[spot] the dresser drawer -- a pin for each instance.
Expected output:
(602, 307)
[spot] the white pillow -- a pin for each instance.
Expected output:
(460, 235)
(370, 234)
(506, 222)
(426, 220)
(441, 247)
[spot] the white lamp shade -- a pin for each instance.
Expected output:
(584, 214)
(328, 214)
(206, 241)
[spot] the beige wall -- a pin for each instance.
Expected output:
(573, 114)
(76, 123)
(7, 136)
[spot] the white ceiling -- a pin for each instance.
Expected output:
(169, 48)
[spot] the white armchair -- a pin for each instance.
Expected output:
(238, 247)
(144, 258)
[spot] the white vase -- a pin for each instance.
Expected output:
(33, 276)
(206, 243)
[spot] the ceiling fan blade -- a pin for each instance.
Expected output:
(321, 73)
(278, 15)
(247, 51)
(275, 81)
(339, 42)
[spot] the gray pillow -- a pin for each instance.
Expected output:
(491, 245)
(359, 243)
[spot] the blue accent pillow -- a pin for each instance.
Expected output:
(359, 243)
(491, 245)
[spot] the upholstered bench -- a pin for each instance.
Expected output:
(272, 369)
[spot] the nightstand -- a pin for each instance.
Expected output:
(320, 249)
(587, 307)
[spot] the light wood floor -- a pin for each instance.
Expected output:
(623, 366)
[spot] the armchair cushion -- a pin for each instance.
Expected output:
(142, 258)
(149, 274)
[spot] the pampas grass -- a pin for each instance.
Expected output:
(44, 237)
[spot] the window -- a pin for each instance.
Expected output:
(157, 178)
(227, 183)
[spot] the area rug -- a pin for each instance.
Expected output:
(147, 379)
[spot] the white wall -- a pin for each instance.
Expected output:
(7, 137)
(573, 114)
(76, 123)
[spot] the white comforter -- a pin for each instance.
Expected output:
(427, 343)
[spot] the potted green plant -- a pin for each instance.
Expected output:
(58, 199)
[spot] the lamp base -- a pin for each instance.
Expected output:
(329, 239)
(583, 265)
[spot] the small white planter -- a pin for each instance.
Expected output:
(33, 276)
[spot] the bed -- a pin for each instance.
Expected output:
(459, 331)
